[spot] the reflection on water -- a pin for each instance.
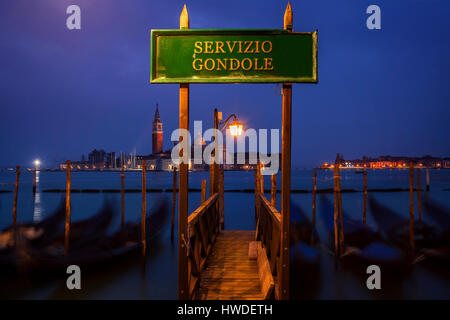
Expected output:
(37, 206)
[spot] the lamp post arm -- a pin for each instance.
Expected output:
(224, 123)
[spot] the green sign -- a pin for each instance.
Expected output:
(224, 56)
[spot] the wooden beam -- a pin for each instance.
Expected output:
(285, 175)
(183, 284)
(419, 195)
(203, 191)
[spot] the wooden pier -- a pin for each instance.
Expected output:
(231, 264)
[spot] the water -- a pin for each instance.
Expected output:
(159, 281)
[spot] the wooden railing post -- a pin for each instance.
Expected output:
(273, 191)
(183, 285)
(285, 176)
(67, 226)
(203, 191)
(16, 191)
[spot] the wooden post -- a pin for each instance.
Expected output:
(183, 285)
(216, 152)
(428, 179)
(261, 177)
(144, 208)
(174, 197)
(273, 191)
(122, 197)
(314, 199)
(67, 226)
(336, 210)
(221, 187)
(16, 191)
(34, 181)
(203, 191)
(211, 176)
(365, 198)
(419, 196)
(285, 175)
(411, 208)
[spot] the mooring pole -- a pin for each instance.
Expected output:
(216, 152)
(286, 174)
(67, 226)
(34, 180)
(144, 208)
(16, 191)
(419, 195)
(174, 198)
(314, 199)
(411, 208)
(341, 220)
(183, 286)
(122, 197)
(257, 191)
(365, 198)
(336, 211)
(221, 189)
(428, 179)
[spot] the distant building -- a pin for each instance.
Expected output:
(157, 133)
(97, 159)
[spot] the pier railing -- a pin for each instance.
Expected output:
(203, 228)
(268, 231)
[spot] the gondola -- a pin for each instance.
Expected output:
(363, 246)
(33, 234)
(395, 229)
(96, 250)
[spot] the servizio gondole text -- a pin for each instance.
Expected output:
(232, 64)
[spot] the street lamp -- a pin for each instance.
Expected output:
(37, 163)
(235, 126)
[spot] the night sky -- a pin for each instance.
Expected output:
(64, 93)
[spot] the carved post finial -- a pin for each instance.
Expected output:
(184, 19)
(288, 18)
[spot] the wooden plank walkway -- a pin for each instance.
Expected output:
(229, 274)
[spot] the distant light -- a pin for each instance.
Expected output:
(37, 163)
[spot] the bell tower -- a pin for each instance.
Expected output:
(157, 134)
